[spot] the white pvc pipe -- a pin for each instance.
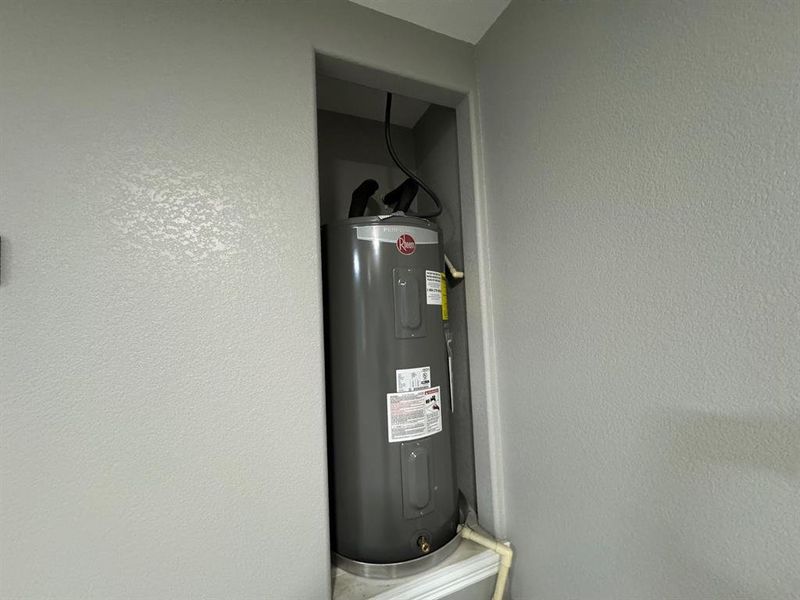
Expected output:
(454, 273)
(506, 555)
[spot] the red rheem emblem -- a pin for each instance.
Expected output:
(406, 244)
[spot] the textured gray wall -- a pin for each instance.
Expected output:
(642, 172)
(161, 374)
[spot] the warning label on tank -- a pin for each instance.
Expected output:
(433, 287)
(409, 380)
(413, 415)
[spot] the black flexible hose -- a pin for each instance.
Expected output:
(387, 130)
(360, 198)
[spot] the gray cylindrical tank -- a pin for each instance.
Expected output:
(392, 477)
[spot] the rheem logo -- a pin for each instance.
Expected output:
(406, 244)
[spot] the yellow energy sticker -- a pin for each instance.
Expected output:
(444, 297)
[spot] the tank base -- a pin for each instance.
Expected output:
(398, 569)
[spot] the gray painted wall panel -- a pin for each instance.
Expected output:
(161, 374)
(642, 188)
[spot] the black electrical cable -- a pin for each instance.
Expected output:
(387, 130)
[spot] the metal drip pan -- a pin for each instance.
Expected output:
(398, 569)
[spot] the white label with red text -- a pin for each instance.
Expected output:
(414, 415)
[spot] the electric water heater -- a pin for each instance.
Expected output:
(393, 489)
